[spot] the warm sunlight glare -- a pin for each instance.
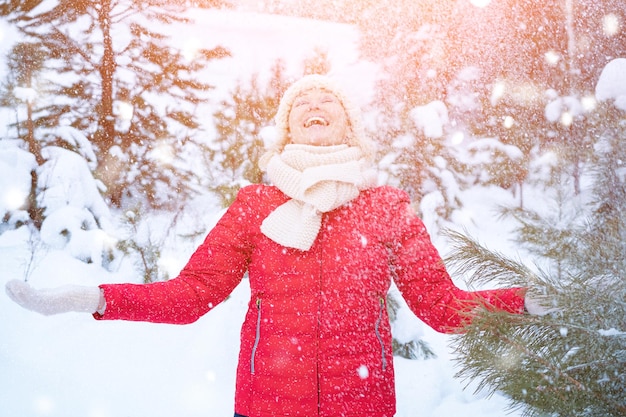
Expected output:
(480, 3)
(527, 92)
(498, 91)
(589, 103)
(611, 24)
(14, 198)
(508, 360)
(457, 138)
(552, 58)
(567, 119)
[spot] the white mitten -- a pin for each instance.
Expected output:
(539, 305)
(55, 300)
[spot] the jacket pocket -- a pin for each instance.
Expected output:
(377, 331)
(257, 336)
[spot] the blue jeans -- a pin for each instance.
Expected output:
(238, 415)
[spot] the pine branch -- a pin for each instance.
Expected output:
(565, 363)
(483, 266)
(527, 357)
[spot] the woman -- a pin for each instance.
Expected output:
(321, 246)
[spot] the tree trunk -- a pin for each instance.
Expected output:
(105, 137)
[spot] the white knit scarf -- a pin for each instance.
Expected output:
(318, 179)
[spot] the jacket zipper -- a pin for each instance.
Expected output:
(376, 329)
(318, 330)
(258, 334)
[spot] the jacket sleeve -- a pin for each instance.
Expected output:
(422, 278)
(210, 275)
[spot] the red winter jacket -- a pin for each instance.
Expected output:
(316, 339)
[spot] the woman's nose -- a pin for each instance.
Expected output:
(314, 104)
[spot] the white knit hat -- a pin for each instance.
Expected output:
(356, 136)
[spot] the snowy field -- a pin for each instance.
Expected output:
(73, 366)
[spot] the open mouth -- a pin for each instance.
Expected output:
(315, 121)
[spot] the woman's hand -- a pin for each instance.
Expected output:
(56, 300)
(539, 305)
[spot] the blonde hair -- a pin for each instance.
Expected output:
(356, 136)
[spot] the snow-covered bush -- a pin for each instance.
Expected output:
(16, 166)
(73, 214)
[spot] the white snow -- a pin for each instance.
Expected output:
(431, 118)
(72, 365)
(68, 182)
(612, 83)
(563, 109)
(24, 94)
(611, 332)
(15, 168)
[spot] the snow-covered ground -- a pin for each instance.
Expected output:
(71, 365)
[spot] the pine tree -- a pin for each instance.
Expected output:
(571, 362)
(113, 77)
(233, 156)
(24, 63)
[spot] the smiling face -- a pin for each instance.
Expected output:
(317, 117)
